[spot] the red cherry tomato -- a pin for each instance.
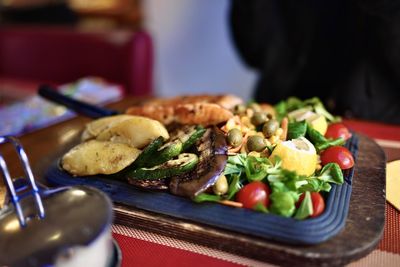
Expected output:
(318, 203)
(253, 193)
(338, 154)
(336, 130)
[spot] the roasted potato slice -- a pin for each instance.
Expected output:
(94, 128)
(135, 131)
(98, 157)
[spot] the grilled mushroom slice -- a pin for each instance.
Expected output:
(151, 184)
(212, 161)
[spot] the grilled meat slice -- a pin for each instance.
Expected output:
(191, 114)
(224, 100)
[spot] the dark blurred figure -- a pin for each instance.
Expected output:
(345, 52)
(42, 12)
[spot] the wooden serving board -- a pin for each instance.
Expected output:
(362, 232)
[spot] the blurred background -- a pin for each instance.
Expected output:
(346, 53)
(192, 50)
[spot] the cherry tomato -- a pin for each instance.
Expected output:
(338, 154)
(253, 193)
(336, 130)
(318, 203)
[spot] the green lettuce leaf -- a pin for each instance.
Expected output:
(296, 130)
(306, 207)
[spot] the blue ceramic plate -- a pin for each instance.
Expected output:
(267, 226)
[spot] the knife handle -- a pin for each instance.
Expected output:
(78, 106)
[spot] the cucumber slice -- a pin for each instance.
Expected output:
(181, 140)
(168, 151)
(184, 163)
(148, 152)
(195, 135)
(188, 135)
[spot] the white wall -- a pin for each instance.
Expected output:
(193, 50)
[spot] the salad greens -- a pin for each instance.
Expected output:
(296, 129)
(286, 186)
(283, 107)
(301, 128)
(289, 194)
(306, 207)
(320, 142)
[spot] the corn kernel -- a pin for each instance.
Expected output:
(273, 139)
(247, 122)
(279, 132)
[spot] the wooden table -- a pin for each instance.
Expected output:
(42, 146)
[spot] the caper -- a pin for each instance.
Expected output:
(256, 143)
(235, 137)
(258, 118)
(270, 128)
(239, 109)
(254, 106)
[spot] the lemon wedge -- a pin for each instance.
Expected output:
(297, 155)
(316, 121)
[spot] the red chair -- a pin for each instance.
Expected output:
(62, 55)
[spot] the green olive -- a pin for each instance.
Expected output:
(221, 185)
(258, 118)
(270, 128)
(239, 109)
(254, 106)
(235, 137)
(256, 143)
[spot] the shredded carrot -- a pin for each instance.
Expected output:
(231, 203)
(235, 149)
(284, 126)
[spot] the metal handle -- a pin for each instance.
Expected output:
(19, 193)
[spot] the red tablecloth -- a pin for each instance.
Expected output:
(140, 248)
